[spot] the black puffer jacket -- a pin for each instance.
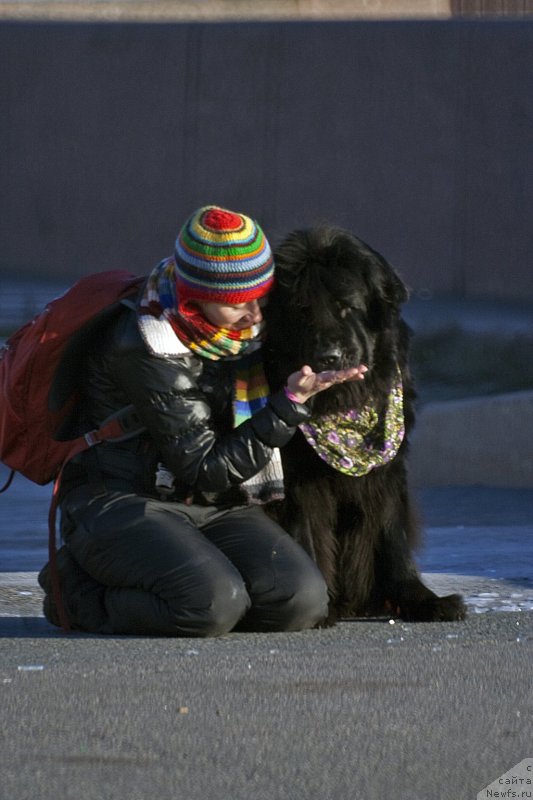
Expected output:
(185, 403)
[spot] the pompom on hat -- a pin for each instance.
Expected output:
(222, 257)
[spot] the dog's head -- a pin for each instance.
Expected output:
(336, 303)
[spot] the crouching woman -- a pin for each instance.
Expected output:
(165, 534)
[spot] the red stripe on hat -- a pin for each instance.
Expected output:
(220, 220)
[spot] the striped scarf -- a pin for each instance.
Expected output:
(209, 341)
(198, 335)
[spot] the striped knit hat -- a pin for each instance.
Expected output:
(222, 257)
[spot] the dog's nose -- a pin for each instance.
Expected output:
(328, 359)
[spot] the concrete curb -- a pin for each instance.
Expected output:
(485, 441)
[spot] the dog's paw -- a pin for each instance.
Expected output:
(434, 609)
(331, 619)
(329, 622)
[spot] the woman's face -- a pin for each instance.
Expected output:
(233, 317)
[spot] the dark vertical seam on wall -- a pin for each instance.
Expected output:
(277, 119)
(273, 73)
(189, 158)
(468, 167)
(461, 161)
(266, 155)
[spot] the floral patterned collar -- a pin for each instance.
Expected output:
(359, 440)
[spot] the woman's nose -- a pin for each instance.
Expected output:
(254, 312)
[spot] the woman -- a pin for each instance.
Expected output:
(164, 533)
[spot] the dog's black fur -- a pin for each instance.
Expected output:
(336, 303)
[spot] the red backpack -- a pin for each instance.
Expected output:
(37, 384)
(36, 388)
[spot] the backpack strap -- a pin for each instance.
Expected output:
(7, 484)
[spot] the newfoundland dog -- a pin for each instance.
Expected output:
(336, 303)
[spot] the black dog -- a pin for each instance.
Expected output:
(336, 303)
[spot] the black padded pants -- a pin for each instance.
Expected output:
(136, 565)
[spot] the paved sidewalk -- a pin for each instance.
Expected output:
(366, 710)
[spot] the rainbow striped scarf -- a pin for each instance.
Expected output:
(209, 341)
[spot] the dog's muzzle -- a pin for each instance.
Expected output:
(330, 358)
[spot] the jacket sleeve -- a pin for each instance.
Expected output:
(166, 397)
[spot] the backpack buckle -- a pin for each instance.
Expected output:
(123, 425)
(91, 438)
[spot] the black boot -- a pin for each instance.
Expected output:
(75, 585)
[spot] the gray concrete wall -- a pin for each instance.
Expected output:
(415, 135)
(482, 441)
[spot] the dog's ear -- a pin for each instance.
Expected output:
(387, 293)
(394, 290)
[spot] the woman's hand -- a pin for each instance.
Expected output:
(305, 383)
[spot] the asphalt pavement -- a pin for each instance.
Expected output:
(366, 710)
